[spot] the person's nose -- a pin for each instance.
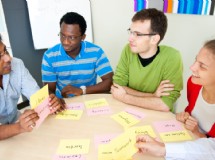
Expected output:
(6, 58)
(131, 37)
(194, 67)
(65, 40)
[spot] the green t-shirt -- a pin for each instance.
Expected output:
(167, 65)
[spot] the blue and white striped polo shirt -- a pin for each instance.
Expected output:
(59, 67)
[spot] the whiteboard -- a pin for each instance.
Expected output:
(3, 30)
(45, 16)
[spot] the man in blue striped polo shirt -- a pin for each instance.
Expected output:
(71, 67)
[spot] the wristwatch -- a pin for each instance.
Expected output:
(83, 89)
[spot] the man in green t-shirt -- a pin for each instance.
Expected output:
(148, 75)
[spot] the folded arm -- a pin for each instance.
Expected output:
(141, 99)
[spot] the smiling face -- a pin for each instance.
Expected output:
(5, 60)
(203, 68)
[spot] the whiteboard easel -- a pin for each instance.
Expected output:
(45, 16)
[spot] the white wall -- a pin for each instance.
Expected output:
(187, 33)
(111, 19)
(3, 30)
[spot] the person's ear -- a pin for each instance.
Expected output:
(155, 39)
(83, 37)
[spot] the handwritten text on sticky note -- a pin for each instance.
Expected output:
(69, 157)
(38, 97)
(135, 113)
(73, 146)
(168, 126)
(144, 130)
(75, 106)
(96, 103)
(99, 111)
(70, 114)
(43, 111)
(175, 136)
(125, 119)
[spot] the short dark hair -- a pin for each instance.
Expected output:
(158, 20)
(0, 38)
(75, 18)
(210, 45)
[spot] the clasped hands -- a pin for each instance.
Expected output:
(190, 123)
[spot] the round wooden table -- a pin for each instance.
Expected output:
(42, 143)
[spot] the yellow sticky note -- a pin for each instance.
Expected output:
(70, 114)
(105, 152)
(73, 146)
(144, 130)
(175, 136)
(96, 103)
(38, 97)
(124, 145)
(125, 119)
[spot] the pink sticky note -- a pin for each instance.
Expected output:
(69, 157)
(139, 115)
(43, 111)
(99, 110)
(103, 139)
(75, 106)
(168, 126)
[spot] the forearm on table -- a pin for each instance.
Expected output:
(101, 87)
(153, 103)
(10, 130)
(137, 93)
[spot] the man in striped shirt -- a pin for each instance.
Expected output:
(71, 67)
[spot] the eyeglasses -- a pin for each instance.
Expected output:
(5, 52)
(137, 34)
(69, 38)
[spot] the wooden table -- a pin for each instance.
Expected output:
(42, 143)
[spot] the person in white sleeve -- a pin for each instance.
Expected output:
(203, 148)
